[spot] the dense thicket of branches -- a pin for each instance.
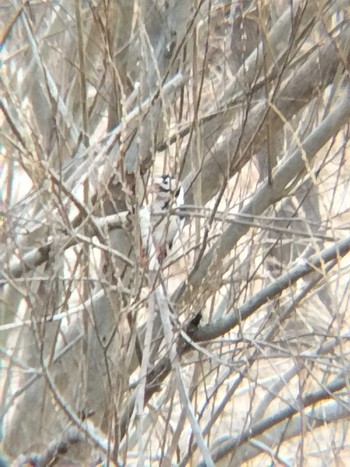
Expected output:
(235, 347)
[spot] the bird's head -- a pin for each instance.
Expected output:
(165, 188)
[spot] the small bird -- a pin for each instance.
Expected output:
(168, 194)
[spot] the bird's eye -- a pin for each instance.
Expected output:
(166, 179)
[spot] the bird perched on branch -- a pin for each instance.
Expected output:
(167, 194)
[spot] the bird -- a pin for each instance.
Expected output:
(167, 193)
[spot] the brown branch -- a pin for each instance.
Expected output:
(213, 330)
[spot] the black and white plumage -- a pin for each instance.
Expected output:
(163, 227)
